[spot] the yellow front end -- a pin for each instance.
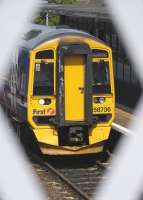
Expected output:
(42, 107)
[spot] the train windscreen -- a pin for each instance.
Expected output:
(43, 79)
(101, 78)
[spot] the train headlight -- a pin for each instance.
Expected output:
(99, 100)
(41, 101)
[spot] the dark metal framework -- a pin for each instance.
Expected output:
(76, 10)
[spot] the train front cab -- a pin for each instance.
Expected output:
(71, 98)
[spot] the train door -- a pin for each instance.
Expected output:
(74, 83)
(74, 92)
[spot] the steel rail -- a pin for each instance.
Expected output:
(122, 129)
(62, 177)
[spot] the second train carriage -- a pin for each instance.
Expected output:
(61, 84)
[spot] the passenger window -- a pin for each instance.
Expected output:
(43, 79)
(23, 81)
(21, 74)
(47, 54)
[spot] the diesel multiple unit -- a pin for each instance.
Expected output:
(60, 83)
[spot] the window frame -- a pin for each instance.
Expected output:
(53, 81)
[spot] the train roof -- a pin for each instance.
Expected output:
(37, 34)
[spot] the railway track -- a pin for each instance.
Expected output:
(70, 181)
(74, 178)
(87, 179)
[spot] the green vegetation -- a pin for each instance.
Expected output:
(63, 1)
(53, 19)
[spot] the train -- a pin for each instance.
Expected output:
(60, 85)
